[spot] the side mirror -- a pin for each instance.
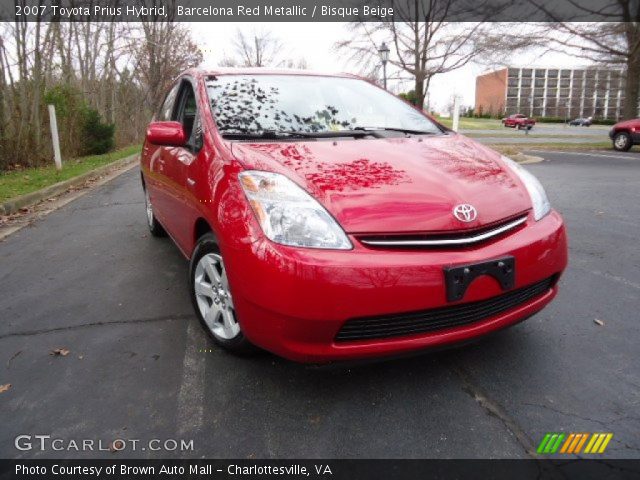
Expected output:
(166, 133)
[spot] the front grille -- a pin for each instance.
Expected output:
(415, 323)
(444, 239)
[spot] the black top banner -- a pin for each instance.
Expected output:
(320, 10)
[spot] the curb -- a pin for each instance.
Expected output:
(523, 159)
(15, 204)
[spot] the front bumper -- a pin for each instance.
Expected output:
(293, 301)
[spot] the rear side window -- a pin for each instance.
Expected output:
(166, 110)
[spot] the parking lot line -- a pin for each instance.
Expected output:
(191, 394)
(584, 154)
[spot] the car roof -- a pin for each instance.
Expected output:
(263, 71)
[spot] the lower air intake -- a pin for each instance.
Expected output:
(415, 323)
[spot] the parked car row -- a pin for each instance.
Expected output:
(624, 135)
(520, 121)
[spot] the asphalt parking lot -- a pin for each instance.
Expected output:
(90, 279)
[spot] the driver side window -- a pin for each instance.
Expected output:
(187, 115)
(167, 108)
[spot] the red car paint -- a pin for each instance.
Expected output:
(629, 128)
(518, 121)
(165, 133)
(296, 299)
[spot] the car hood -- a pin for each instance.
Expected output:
(396, 185)
(634, 122)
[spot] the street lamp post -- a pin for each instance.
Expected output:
(384, 56)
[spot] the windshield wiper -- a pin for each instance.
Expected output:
(265, 134)
(276, 134)
(331, 134)
(395, 129)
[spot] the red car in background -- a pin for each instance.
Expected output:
(518, 121)
(625, 134)
(325, 219)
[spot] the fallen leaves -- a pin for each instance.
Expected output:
(5, 387)
(116, 446)
(62, 352)
(598, 322)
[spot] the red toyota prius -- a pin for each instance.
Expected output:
(325, 219)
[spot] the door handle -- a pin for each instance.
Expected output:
(191, 182)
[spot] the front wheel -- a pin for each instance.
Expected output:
(622, 141)
(211, 297)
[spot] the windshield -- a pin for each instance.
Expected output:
(254, 104)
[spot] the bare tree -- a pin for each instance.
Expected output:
(112, 71)
(256, 49)
(300, 63)
(614, 43)
(423, 43)
(167, 49)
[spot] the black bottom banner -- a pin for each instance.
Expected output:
(326, 469)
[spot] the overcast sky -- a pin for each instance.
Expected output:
(314, 42)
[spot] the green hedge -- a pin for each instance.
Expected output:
(97, 137)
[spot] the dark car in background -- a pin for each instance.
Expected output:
(625, 134)
(581, 122)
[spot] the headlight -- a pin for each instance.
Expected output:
(289, 215)
(541, 205)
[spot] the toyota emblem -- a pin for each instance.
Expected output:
(465, 212)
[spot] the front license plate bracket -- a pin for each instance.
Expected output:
(459, 278)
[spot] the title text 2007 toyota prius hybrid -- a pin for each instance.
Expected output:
(326, 219)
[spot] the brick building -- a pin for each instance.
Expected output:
(552, 92)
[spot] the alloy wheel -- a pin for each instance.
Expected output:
(621, 141)
(213, 297)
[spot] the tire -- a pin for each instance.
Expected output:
(211, 297)
(622, 141)
(154, 226)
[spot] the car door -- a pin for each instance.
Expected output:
(156, 175)
(181, 184)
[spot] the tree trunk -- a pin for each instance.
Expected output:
(419, 89)
(37, 87)
(632, 85)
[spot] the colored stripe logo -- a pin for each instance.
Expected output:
(574, 442)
